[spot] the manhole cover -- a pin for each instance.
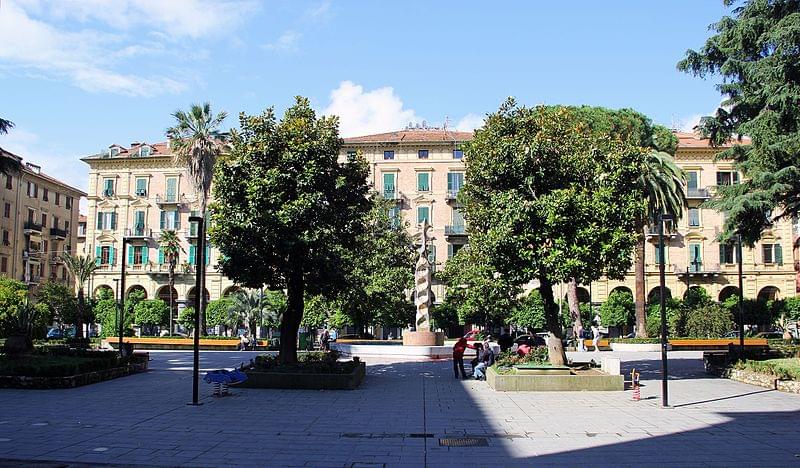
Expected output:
(464, 442)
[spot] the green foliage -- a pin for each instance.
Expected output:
(791, 308)
(186, 318)
(274, 304)
(218, 313)
(754, 52)
(676, 318)
(106, 313)
(151, 312)
(696, 297)
(307, 363)
(708, 321)
(537, 355)
(784, 369)
(444, 315)
(59, 302)
(636, 340)
(618, 310)
(317, 311)
(12, 294)
(755, 312)
(62, 365)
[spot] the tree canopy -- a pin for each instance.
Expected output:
(286, 210)
(754, 51)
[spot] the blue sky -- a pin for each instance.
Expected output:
(78, 75)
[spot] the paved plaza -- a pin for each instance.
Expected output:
(398, 418)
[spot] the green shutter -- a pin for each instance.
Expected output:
(778, 254)
(111, 255)
(208, 254)
(193, 226)
(139, 220)
(113, 220)
(130, 255)
(177, 216)
(172, 189)
(141, 185)
(192, 249)
(160, 255)
(423, 182)
(98, 252)
(722, 254)
(99, 220)
(145, 254)
(449, 251)
(163, 219)
(423, 213)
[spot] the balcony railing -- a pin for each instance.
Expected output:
(139, 232)
(169, 199)
(56, 232)
(652, 231)
(697, 269)
(698, 193)
(455, 230)
(32, 227)
(451, 195)
(391, 194)
(108, 192)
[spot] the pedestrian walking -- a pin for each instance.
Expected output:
(596, 336)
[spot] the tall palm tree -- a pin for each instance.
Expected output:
(171, 248)
(5, 126)
(81, 268)
(248, 307)
(8, 164)
(663, 184)
(197, 142)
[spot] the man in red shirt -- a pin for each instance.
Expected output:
(458, 355)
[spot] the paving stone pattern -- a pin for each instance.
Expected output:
(398, 418)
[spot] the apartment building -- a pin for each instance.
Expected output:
(38, 225)
(422, 170)
(138, 192)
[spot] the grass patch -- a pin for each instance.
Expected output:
(784, 369)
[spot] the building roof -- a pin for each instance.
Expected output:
(694, 140)
(156, 150)
(37, 172)
(431, 135)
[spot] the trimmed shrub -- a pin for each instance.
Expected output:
(708, 321)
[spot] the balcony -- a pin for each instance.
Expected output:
(139, 232)
(451, 195)
(455, 230)
(58, 233)
(170, 199)
(697, 194)
(56, 259)
(391, 193)
(141, 193)
(697, 270)
(108, 193)
(652, 231)
(31, 227)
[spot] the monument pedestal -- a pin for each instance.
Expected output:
(423, 338)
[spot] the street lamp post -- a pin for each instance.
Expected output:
(741, 296)
(662, 281)
(116, 302)
(122, 294)
(199, 296)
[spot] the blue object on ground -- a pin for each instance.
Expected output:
(225, 376)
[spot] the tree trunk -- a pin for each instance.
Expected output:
(290, 322)
(79, 320)
(555, 347)
(574, 307)
(639, 299)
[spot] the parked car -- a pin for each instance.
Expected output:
(773, 335)
(531, 340)
(59, 333)
(731, 334)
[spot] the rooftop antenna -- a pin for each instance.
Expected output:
(446, 122)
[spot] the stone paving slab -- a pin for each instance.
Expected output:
(397, 418)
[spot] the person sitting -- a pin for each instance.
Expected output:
(478, 354)
(486, 360)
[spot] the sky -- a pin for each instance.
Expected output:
(79, 75)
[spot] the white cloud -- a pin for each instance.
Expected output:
(87, 42)
(687, 124)
(364, 112)
(469, 123)
(321, 11)
(287, 42)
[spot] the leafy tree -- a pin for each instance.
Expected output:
(478, 293)
(695, 297)
(549, 196)
(317, 310)
(151, 313)
(196, 142)
(444, 315)
(755, 53)
(382, 263)
(106, 312)
(248, 308)
(81, 268)
(286, 211)
(8, 163)
(12, 294)
(755, 312)
(662, 183)
(5, 126)
(274, 307)
(59, 301)
(186, 318)
(218, 313)
(618, 310)
(709, 320)
(676, 318)
(529, 312)
(171, 247)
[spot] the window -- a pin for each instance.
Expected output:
(45, 194)
(423, 181)
(45, 247)
(66, 226)
(691, 180)
(452, 249)
(422, 154)
(458, 219)
(33, 190)
(55, 222)
(772, 253)
(7, 210)
(105, 255)
(394, 216)
(144, 151)
(432, 256)
(31, 215)
(69, 203)
(113, 151)
(44, 220)
(5, 238)
(695, 258)
(727, 177)
(108, 187)
(106, 220)
(141, 187)
(172, 189)
(727, 253)
(387, 155)
(458, 154)
(351, 156)
(455, 180)
(694, 217)
(8, 182)
(4, 264)
(193, 254)
(137, 254)
(389, 186)
(423, 213)
(58, 198)
(138, 223)
(170, 220)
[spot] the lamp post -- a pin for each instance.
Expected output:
(122, 294)
(198, 300)
(116, 301)
(741, 295)
(662, 282)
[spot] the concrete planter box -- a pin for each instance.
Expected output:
(553, 383)
(350, 381)
(639, 347)
(72, 381)
(754, 378)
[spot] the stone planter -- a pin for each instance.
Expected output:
(754, 378)
(638, 347)
(305, 381)
(553, 383)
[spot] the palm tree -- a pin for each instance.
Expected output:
(171, 248)
(197, 143)
(81, 268)
(5, 126)
(248, 307)
(9, 164)
(663, 184)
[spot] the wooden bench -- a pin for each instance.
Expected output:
(604, 343)
(715, 343)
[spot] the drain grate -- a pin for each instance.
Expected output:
(464, 442)
(421, 435)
